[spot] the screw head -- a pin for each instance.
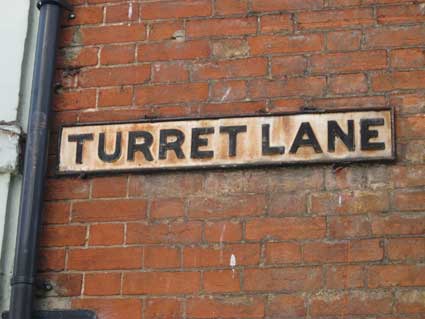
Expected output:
(72, 16)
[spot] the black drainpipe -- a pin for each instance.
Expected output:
(35, 163)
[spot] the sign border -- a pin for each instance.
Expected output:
(393, 157)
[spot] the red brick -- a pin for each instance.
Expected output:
(349, 226)
(170, 72)
(357, 202)
(115, 76)
(109, 210)
(74, 100)
(410, 302)
(173, 50)
(284, 204)
(345, 277)
(122, 13)
(112, 34)
(162, 94)
(348, 84)
(175, 9)
(221, 27)
(85, 15)
(101, 187)
(280, 5)
(105, 258)
(398, 80)
(232, 108)
(287, 228)
(229, 90)
(167, 208)
(66, 235)
(276, 23)
(335, 18)
(343, 3)
(106, 234)
(77, 57)
(117, 54)
(223, 231)
(401, 14)
(229, 69)
(221, 281)
(288, 279)
(115, 96)
(396, 275)
(283, 253)
(287, 105)
(56, 212)
(409, 176)
(164, 30)
(267, 44)
(409, 200)
(408, 58)
(353, 61)
(295, 180)
(51, 260)
(286, 306)
(309, 86)
(227, 7)
(63, 284)
(220, 256)
(344, 40)
(161, 233)
(230, 206)
(411, 127)
(352, 251)
(163, 308)
(163, 283)
(102, 284)
(229, 307)
(349, 102)
(406, 248)
(398, 224)
(351, 303)
(111, 308)
(288, 65)
(67, 189)
(395, 37)
(161, 257)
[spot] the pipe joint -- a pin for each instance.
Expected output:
(61, 3)
(21, 280)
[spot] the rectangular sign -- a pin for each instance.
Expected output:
(278, 139)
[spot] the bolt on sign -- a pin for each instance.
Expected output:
(277, 139)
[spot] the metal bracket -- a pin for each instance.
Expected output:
(59, 314)
(61, 3)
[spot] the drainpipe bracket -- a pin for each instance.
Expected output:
(61, 3)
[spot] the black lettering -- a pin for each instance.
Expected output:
(233, 132)
(265, 138)
(176, 146)
(101, 152)
(80, 139)
(197, 142)
(334, 130)
(311, 140)
(366, 134)
(144, 147)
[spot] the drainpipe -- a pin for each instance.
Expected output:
(35, 162)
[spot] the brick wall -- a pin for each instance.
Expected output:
(294, 242)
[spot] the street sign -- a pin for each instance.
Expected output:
(275, 139)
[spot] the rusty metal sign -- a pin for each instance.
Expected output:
(277, 139)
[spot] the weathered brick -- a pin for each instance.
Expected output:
(51, 260)
(227, 7)
(163, 283)
(117, 54)
(406, 248)
(409, 200)
(410, 302)
(221, 281)
(109, 210)
(67, 189)
(162, 94)
(167, 208)
(106, 234)
(75, 100)
(170, 308)
(161, 257)
(407, 58)
(276, 23)
(105, 258)
(164, 30)
(111, 308)
(401, 14)
(287, 279)
(119, 96)
(112, 34)
(283, 253)
(221, 27)
(348, 84)
(395, 37)
(286, 306)
(396, 275)
(278, 5)
(349, 226)
(288, 65)
(56, 212)
(287, 228)
(223, 231)
(126, 12)
(63, 284)
(169, 72)
(175, 9)
(345, 277)
(224, 91)
(122, 75)
(229, 307)
(344, 40)
(102, 284)
(267, 44)
(398, 224)
(309, 86)
(63, 235)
